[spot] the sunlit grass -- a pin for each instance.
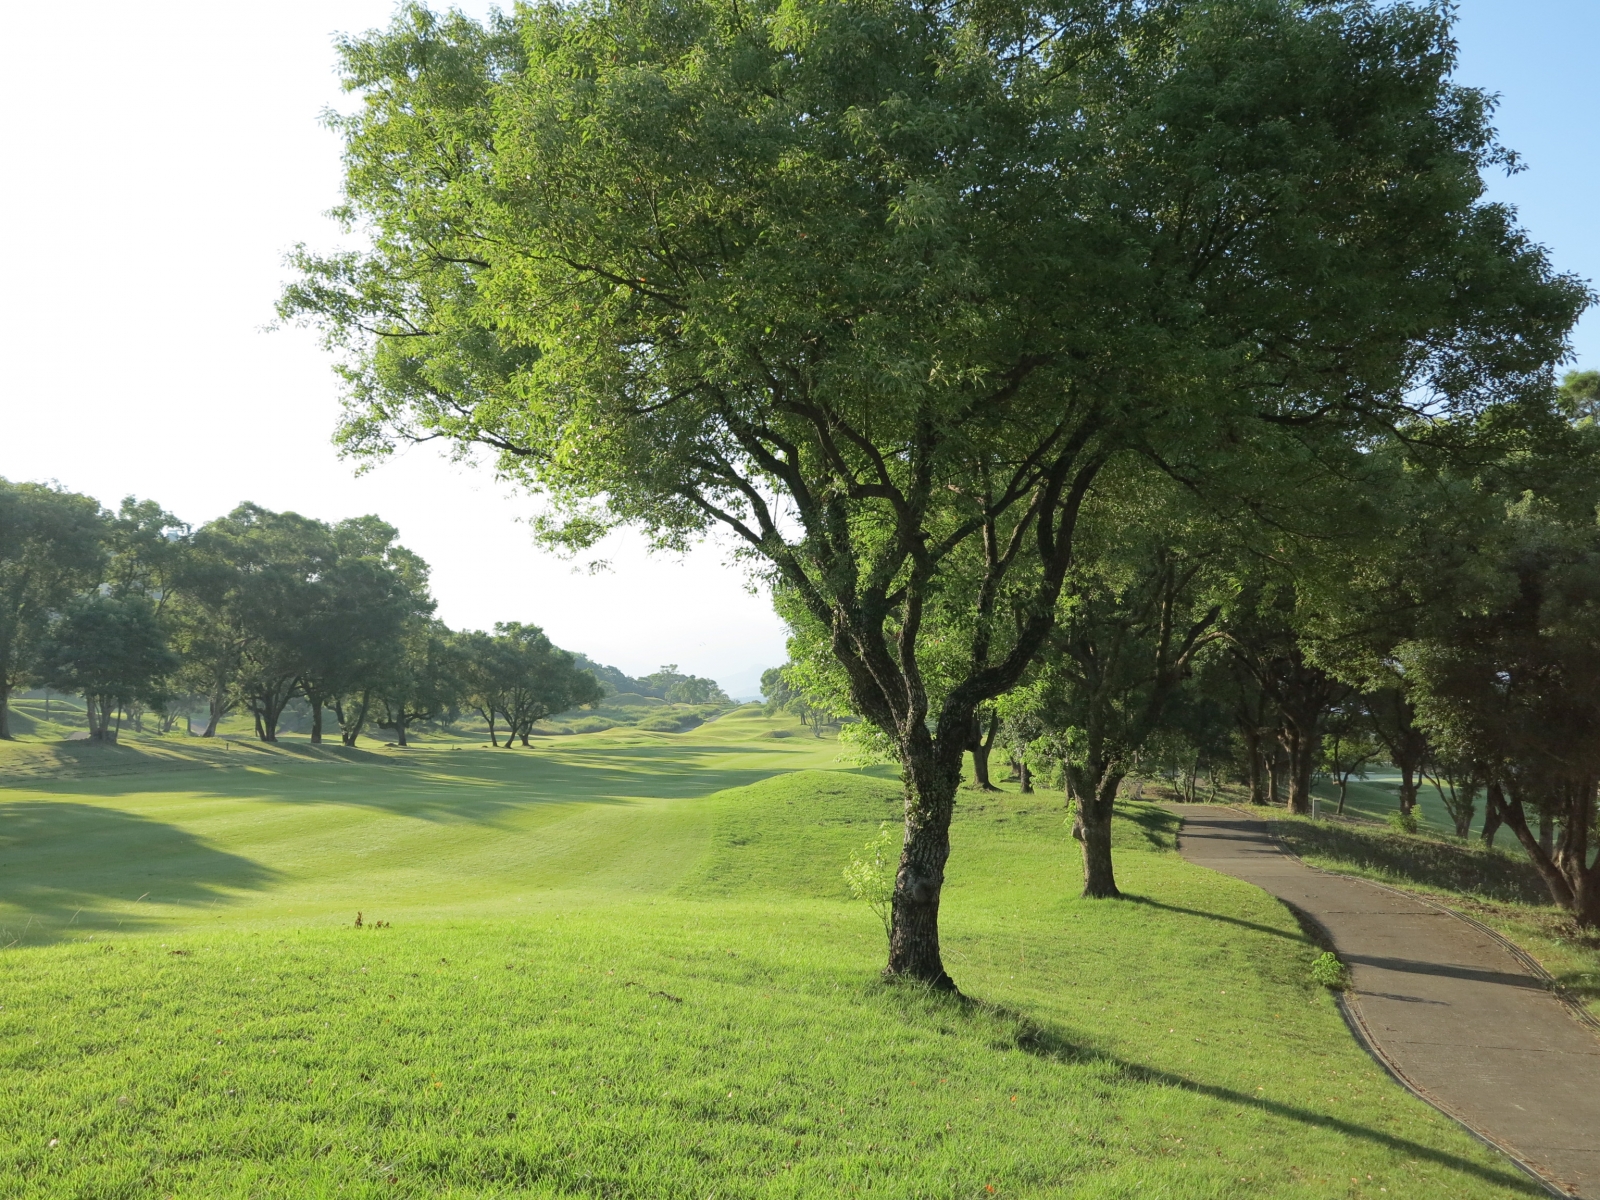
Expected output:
(625, 969)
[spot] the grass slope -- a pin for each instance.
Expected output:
(625, 967)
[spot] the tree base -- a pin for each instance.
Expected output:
(943, 983)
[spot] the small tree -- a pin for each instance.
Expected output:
(1348, 745)
(536, 680)
(51, 547)
(425, 681)
(111, 650)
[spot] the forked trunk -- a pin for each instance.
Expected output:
(1515, 816)
(1096, 805)
(914, 924)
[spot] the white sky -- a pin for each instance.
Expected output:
(161, 157)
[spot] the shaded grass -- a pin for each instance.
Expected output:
(686, 1015)
(1498, 887)
(1466, 868)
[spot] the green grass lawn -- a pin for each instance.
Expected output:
(1378, 795)
(624, 965)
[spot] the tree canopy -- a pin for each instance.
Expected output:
(881, 289)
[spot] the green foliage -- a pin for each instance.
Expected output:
(1579, 396)
(1403, 820)
(870, 875)
(1329, 972)
(111, 650)
(520, 675)
(888, 292)
(50, 549)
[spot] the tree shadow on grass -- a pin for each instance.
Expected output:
(1020, 1031)
(441, 786)
(1211, 916)
(1446, 866)
(1158, 826)
(66, 865)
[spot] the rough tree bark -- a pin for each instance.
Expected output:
(1096, 790)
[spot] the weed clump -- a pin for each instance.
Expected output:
(870, 875)
(1328, 971)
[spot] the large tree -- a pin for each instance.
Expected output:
(51, 547)
(882, 287)
(353, 633)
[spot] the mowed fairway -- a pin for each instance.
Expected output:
(624, 965)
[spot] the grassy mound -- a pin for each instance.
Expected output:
(619, 969)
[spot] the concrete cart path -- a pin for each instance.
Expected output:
(1449, 1007)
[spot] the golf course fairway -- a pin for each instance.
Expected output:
(626, 965)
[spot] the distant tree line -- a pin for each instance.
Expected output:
(257, 611)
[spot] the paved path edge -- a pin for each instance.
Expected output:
(1351, 1011)
(1575, 1007)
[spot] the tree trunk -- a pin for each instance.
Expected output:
(980, 747)
(1027, 778)
(1547, 830)
(1493, 800)
(316, 720)
(1408, 787)
(930, 791)
(1344, 786)
(217, 706)
(1516, 817)
(1258, 776)
(5, 713)
(400, 731)
(1586, 902)
(1096, 805)
(1300, 748)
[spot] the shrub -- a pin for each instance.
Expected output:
(1330, 972)
(1403, 822)
(870, 875)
